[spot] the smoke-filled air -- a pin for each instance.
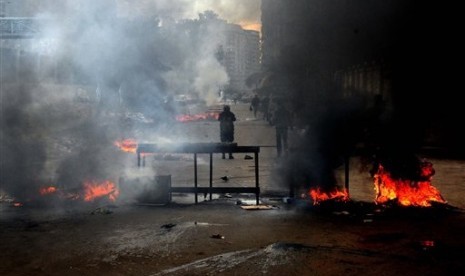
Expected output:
(98, 69)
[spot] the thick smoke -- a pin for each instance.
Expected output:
(413, 50)
(92, 67)
(22, 143)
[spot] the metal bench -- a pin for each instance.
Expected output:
(204, 148)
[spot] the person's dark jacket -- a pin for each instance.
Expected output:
(227, 119)
(282, 117)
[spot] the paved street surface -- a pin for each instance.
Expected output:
(219, 237)
(251, 131)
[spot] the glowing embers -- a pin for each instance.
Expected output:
(48, 190)
(94, 190)
(319, 196)
(127, 145)
(198, 117)
(407, 192)
(90, 191)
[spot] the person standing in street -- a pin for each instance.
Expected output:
(282, 121)
(265, 107)
(227, 119)
(254, 105)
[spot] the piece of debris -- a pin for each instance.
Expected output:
(248, 157)
(257, 207)
(288, 200)
(209, 224)
(427, 244)
(217, 236)
(250, 202)
(225, 178)
(168, 226)
(341, 213)
(32, 224)
(101, 210)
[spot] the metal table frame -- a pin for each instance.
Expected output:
(204, 148)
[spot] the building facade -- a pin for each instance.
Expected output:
(241, 56)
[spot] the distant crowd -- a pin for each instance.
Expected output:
(276, 112)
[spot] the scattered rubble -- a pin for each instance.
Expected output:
(102, 211)
(168, 226)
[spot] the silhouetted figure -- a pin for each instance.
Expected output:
(255, 104)
(227, 119)
(265, 106)
(282, 121)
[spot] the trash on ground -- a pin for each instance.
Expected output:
(341, 213)
(168, 225)
(258, 207)
(217, 236)
(101, 210)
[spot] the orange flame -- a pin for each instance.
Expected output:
(47, 190)
(127, 145)
(93, 190)
(318, 195)
(406, 192)
(197, 117)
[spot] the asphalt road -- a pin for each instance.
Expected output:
(251, 131)
(220, 237)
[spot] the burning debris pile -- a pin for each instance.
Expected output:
(211, 114)
(127, 145)
(207, 116)
(318, 196)
(90, 191)
(399, 176)
(412, 191)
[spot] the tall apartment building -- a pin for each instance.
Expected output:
(252, 52)
(241, 55)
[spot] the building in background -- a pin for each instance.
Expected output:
(241, 56)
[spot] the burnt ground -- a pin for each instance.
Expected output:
(218, 237)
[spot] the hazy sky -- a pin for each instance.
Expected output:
(243, 12)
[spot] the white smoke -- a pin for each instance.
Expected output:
(234, 11)
(102, 46)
